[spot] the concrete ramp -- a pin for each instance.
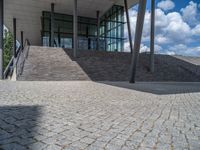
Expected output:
(51, 64)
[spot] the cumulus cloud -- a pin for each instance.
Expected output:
(190, 13)
(177, 29)
(144, 48)
(173, 33)
(166, 5)
(170, 53)
(182, 49)
(162, 39)
(196, 30)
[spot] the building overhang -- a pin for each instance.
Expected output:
(29, 12)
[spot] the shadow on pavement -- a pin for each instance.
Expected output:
(160, 88)
(18, 126)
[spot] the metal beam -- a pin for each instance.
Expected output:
(75, 28)
(1, 38)
(87, 35)
(98, 27)
(52, 25)
(128, 25)
(152, 36)
(138, 37)
(14, 37)
(59, 37)
(22, 40)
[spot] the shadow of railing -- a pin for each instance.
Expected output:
(18, 126)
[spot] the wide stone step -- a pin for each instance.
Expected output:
(45, 63)
(57, 64)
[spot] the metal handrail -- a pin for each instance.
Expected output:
(14, 62)
(9, 68)
(22, 55)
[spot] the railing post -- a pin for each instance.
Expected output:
(138, 38)
(22, 40)
(1, 39)
(14, 38)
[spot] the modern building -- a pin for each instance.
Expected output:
(75, 24)
(111, 30)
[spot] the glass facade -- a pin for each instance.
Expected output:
(111, 30)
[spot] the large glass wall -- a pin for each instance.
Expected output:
(111, 30)
(63, 31)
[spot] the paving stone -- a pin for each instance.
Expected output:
(87, 140)
(52, 147)
(13, 146)
(38, 146)
(90, 115)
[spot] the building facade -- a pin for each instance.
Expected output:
(111, 30)
(76, 24)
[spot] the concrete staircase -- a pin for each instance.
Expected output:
(57, 64)
(50, 64)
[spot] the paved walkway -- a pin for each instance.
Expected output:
(96, 116)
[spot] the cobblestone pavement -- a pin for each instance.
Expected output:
(99, 116)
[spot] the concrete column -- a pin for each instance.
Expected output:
(75, 28)
(14, 37)
(138, 37)
(98, 27)
(152, 36)
(128, 25)
(22, 40)
(52, 25)
(1, 38)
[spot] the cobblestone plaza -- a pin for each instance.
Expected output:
(88, 115)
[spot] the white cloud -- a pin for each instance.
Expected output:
(196, 30)
(172, 36)
(170, 53)
(177, 29)
(190, 13)
(161, 19)
(126, 46)
(182, 49)
(161, 39)
(144, 48)
(166, 5)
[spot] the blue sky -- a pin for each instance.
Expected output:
(177, 27)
